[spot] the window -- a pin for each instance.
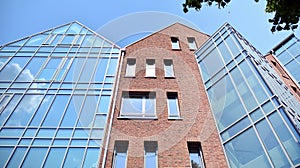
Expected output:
(175, 43)
(192, 43)
(150, 154)
(169, 71)
(120, 154)
(195, 155)
(173, 107)
(138, 104)
(150, 67)
(130, 67)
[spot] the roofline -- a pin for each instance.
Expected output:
(56, 27)
(282, 43)
(164, 29)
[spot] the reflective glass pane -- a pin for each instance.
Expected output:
(72, 111)
(36, 40)
(9, 108)
(291, 146)
(100, 121)
(81, 133)
(87, 71)
(236, 128)
(55, 157)
(35, 157)
(91, 158)
(293, 68)
(60, 30)
(104, 104)
(25, 110)
(88, 111)
(74, 158)
(44, 132)
(132, 105)
(5, 152)
(226, 55)
(101, 69)
(31, 69)
(42, 110)
(16, 159)
(225, 102)
(56, 111)
(112, 66)
(212, 63)
(75, 69)
(272, 145)
(13, 68)
(246, 151)
(243, 89)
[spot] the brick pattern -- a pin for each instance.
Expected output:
(284, 76)
(196, 123)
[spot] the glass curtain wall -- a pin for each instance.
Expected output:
(55, 94)
(251, 107)
(288, 55)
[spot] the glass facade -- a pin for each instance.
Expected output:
(288, 54)
(55, 92)
(255, 114)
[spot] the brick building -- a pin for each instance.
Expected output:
(160, 71)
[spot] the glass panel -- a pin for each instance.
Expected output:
(43, 132)
(98, 42)
(9, 108)
(36, 40)
(173, 105)
(192, 43)
(61, 142)
(16, 159)
(55, 157)
(42, 110)
(104, 104)
(212, 63)
(81, 133)
(91, 158)
(112, 66)
(226, 55)
(49, 71)
(13, 68)
(120, 154)
(88, 41)
(226, 105)
(5, 152)
(293, 68)
(31, 69)
(232, 46)
(253, 82)
(130, 67)
(56, 111)
(74, 29)
(74, 158)
(35, 157)
(88, 111)
(243, 89)
(100, 121)
(132, 104)
(72, 111)
(236, 128)
(24, 111)
(75, 70)
(257, 114)
(101, 69)
(291, 146)
(150, 154)
(246, 151)
(284, 57)
(60, 30)
(272, 145)
(87, 71)
(41, 142)
(78, 142)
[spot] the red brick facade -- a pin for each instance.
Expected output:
(284, 76)
(196, 123)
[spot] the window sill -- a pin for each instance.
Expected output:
(136, 118)
(170, 77)
(176, 49)
(129, 76)
(175, 118)
(150, 77)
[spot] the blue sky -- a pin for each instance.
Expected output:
(23, 18)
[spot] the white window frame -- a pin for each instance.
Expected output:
(173, 116)
(144, 96)
(150, 68)
(170, 67)
(192, 43)
(175, 43)
(120, 146)
(152, 145)
(130, 67)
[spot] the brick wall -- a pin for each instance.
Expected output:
(196, 122)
